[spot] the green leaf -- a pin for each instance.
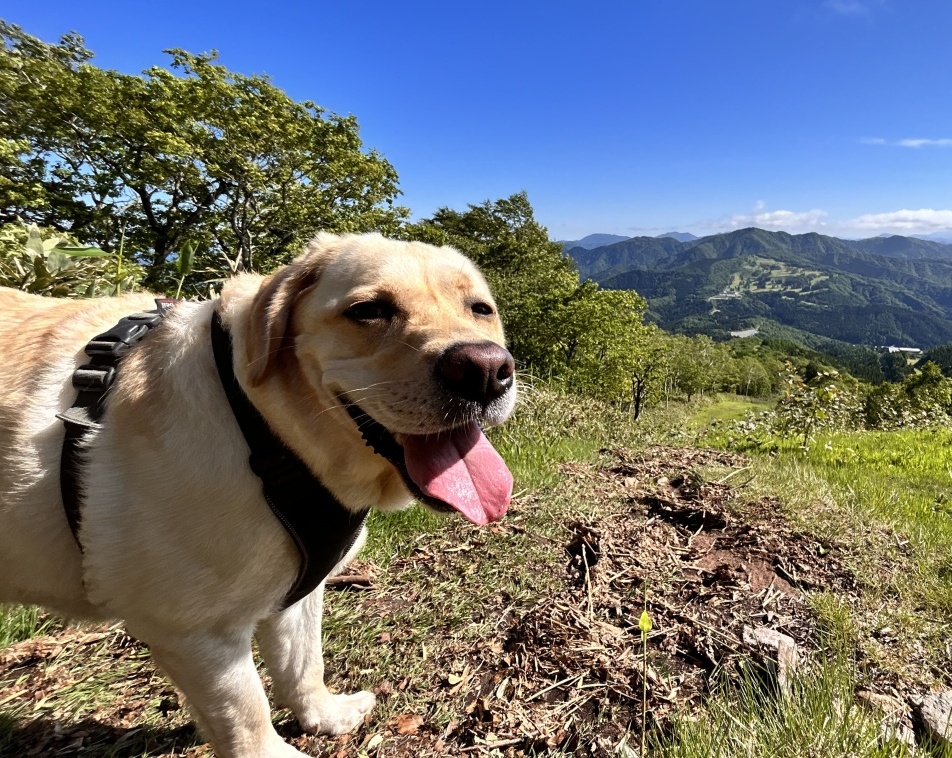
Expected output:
(186, 259)
(57, 261)
(50, 244)
(77, 251)
(34, 242)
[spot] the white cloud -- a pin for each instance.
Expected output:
(915, 143)
(782, 220)
(922, 221)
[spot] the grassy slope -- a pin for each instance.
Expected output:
(888, 494)
(884, 495)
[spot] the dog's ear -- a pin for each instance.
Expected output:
(269, 326)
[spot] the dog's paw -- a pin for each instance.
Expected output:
(339, 714)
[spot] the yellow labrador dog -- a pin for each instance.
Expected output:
(177, 537)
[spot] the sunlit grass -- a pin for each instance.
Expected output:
(818, 717)
(899, 481)
(21, 622)
(883, 500)
(725, 407)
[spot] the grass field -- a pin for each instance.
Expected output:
(435, 633)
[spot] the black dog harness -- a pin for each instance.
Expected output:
(92, 381)
(322, 529)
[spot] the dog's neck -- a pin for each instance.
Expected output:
(321, 527)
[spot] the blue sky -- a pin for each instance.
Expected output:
(635, 117)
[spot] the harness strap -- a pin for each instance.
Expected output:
(93, 381)
(322, 529)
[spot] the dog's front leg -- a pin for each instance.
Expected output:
(224, 692)
(290, 642)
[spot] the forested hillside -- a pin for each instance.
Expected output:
(881, 291)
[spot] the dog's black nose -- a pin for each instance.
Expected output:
(480, 371)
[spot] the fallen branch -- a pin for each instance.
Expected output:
(357, 581)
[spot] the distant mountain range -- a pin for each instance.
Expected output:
(593, 241)
(880, 291)
(944, 236)
(600, 240)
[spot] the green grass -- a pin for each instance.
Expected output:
(884, 501)
(550, 428)
(723, 408)
(899, 481)
(818, 717)
(23, 622)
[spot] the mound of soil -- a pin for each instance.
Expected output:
(702, 564)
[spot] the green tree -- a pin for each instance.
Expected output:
(826, 401)
(929, 395)
(941, 356)
(895, 366)
(753, 378)
(530, 276)
(193, 155)
(603, 343)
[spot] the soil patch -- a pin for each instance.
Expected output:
(702, 563)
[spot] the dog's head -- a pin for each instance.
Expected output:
(410, 333)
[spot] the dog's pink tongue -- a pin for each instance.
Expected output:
(461, 469)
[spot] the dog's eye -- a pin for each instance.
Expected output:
(482, 309)
(371, 310)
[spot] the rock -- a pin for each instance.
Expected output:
(896, 725)
(879, 701)
(777, 648)
(936, 714)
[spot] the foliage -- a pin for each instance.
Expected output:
(194, 155)
(941, 356)
(895, 366)
(829, 402)
(809, 405)
(21, 622)
(43, 262)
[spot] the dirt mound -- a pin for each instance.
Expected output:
(706, 565)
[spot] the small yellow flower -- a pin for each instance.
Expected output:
(644, 623)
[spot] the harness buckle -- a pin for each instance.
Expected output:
(122, 336)
(92, 377)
